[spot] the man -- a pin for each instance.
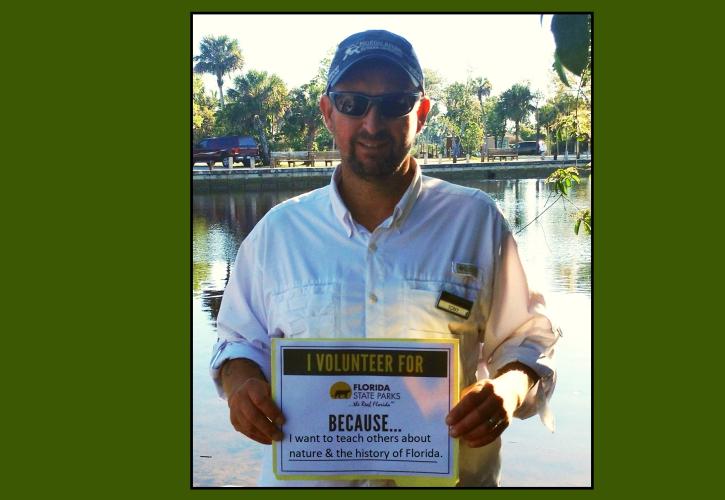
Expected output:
(369, 255)
(542, 149)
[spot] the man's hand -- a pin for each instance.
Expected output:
(251, 408)
(487, 407)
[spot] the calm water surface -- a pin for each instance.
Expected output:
(558, 263)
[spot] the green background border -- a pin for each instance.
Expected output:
(102, 381)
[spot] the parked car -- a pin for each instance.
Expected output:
(527, 148)
(214, 149)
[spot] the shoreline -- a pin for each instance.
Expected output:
(268, 179)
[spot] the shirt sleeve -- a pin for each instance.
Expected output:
(518, 329)
(242, 319)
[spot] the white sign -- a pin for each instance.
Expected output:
(366, 408)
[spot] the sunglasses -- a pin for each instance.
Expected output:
(392, 105)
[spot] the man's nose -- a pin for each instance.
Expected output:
(373, 120)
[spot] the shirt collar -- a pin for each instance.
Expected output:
(405, 205)
(400, 213)
(338, 206)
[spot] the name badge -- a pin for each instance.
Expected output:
(453, 304)
(464, 270)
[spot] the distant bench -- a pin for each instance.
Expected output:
(502, 154)
(303, 157)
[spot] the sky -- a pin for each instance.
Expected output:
(506, 49)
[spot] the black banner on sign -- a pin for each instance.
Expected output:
(378, 362)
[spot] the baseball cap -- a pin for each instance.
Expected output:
(375, 44)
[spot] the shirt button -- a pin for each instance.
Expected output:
(373, 298)
(372, 247)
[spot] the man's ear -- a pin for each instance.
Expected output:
(326, 108)
(423, 110)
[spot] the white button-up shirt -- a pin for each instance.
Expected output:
(308, 269)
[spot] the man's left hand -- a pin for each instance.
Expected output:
(487, 407)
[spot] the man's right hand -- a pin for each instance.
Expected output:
(252, 410)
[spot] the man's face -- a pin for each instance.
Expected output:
(372, 145)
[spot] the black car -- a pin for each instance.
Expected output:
(213, 149)
(527, 148)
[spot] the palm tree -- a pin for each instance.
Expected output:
(516, 102)
(258, 102)
(482, 88)
(218, 56)
(304, 113)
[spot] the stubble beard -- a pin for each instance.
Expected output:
(381, 166)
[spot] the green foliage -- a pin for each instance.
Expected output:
(433, 84)
(203, 105)
(494, 118)
(572, 35)
(563, 179)
(303, 120)
(218, 56)
(566, 117)
(516, 105)
(256, 93)
(481, 87)
(527, 132)
(434, 131)
(463, 114)
(472, 137)
(583, 217)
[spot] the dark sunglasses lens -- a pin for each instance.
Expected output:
(397, 105)
(349, 104)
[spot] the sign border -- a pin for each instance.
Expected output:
(402, 480)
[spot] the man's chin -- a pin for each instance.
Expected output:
(371, 167)
(372, 170)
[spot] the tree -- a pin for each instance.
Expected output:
(482, 88)
(516, 103)
(304, 119)
(547, 117)
(434, 131)
(203, 105)
(494, 119)
(218, 56)
(303, 126)
(463, 115)
(257, 93)
(433, 84)
(573, 38)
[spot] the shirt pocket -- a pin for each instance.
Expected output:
(423, 317)
(309, 311)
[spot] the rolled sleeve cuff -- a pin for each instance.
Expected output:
(537, 399)
(225, 350)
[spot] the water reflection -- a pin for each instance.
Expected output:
(557, 261)
(221, 221)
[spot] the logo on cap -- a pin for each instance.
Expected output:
(353, 49)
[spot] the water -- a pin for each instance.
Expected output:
(558, 264)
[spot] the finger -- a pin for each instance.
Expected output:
(262, 400)
(491, 428)
(468, 403)
(247, 418)
(489, 437)
(259, 437)
(246, 428)
(490, 407)
(259, 422)
(242, 425)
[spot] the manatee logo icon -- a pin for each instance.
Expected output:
(340, 390)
